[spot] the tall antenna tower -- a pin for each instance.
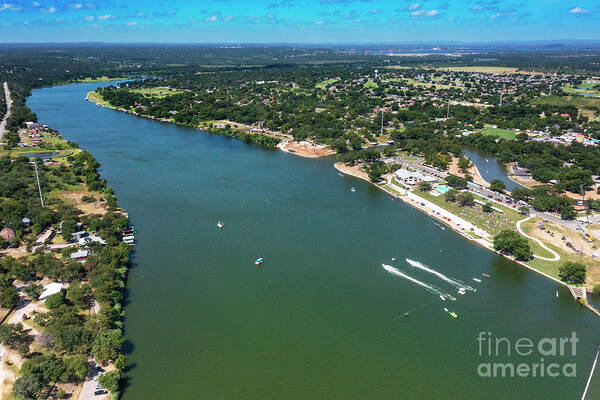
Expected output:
(382, 121)
(501, 94)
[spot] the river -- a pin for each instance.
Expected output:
(490, 167)
(320, 318)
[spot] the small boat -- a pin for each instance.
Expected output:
(405, 314)
(353, 189)
(486, 275)
(477, 280)
(462, 291)
(340, 174)
(220, 225)
(258, 261)
(445, 309)
(453, 315)
(557, 293)
(442, 297)
(393, 258)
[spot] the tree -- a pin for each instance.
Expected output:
(27, 387)
(464, 164)
(376, 169)
(110, 380)
(424, 186)
(487, 207)
(524, 210)
(55, 300)
(68, 228)
(450, 195)
(572, 273)
(568, 212)
(9, 297)
(13, 335)
(466, 199)
(456, 182)
(520, 193)
(497, 185)
(510, 242)
(33, 290)
(107, 345)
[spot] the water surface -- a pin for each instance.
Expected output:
(320, 319)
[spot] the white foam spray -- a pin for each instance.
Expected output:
(454, 282)
(429, 288)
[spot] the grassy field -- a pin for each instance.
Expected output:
(371, 85)
(158, 92)
(583, 89)
(501, 133)
(581, 102)
(323, 84)
(485, 70)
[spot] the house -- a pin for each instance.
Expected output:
(80, 255)
(76, 236)
(7, 234)
(410, 178)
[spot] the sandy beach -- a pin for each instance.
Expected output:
(305, 149)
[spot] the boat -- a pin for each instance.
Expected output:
(353, 189)
(477, 280)
(340, 174)
(393, 258)
(557, 293)
(486, 275)
(220, 225)
(445, 309)
(258, 261)
(462, 291)
(453, 314)
(405, 314)
(442, 297)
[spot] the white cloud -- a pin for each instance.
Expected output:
(49, 10)
(451, 19)
(104, 17)
(319, 22)
(414, 6)
(76, 6)
(131, 23)
(417, 13)
(578, 10)
(432, 13)
(357, 20)
(36, 4)
(228, 18)
(477, 7)
(374, 11)
(89, 18)
(9, 6)
(495, 16)
(6, 24)
(212, 18)
(25, 22)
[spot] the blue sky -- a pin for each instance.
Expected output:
(316, 21)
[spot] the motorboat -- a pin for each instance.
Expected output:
(486, 275)
(220, 225)
(353, 189)
(442, 297)
(258, 261)
(477, 280)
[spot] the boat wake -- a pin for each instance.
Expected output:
(429, 288)
(454, 282)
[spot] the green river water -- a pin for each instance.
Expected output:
(320, 318)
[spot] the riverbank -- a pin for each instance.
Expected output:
(303, 148)
(453, 221)
(8, 100)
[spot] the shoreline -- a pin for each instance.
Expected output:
(304, 149)
(352, 171)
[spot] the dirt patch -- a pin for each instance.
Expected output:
(473, 171)
(306, 149)
(353, 170)
(95, 207)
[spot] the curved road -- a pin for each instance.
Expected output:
(556, 256)
(8, 106)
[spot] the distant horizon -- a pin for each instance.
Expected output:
(293, 21)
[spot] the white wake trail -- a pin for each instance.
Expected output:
(454, 282)
(429, 288)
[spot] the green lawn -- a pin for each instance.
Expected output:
(583, 89)
(323, 84)
(371, 85)
(501, 133)
(159, 92)
(581, 102)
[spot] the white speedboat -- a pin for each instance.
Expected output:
(477, 280)
(258, 261)
(220, 225)
(353, 189)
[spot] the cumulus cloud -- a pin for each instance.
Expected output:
(495, 16)
(417, 13)
(131, 23)
(374, 11)
(76, 6)
(89, 18)
(104, 17)
(578, 10)
(212, 18)
(49, 10)
(36, 4)
(9, 6)
(432, 13)
(319, 22)
(414, 6)
(228, 18)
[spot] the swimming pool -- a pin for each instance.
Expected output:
(443, 189)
